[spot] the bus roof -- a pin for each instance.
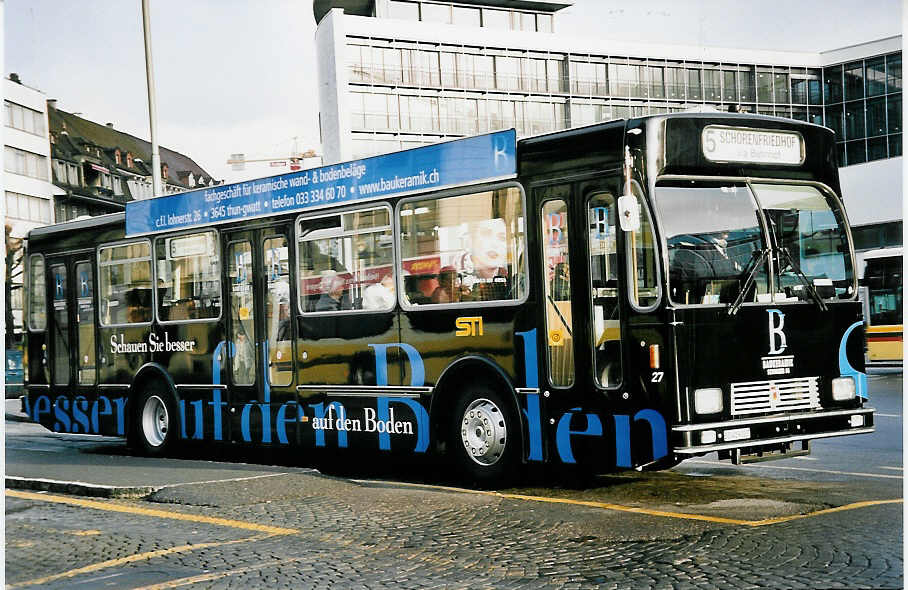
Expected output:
(84, 223)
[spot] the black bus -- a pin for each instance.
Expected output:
(622, 295)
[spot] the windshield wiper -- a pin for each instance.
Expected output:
(803, 278)
(756, 260)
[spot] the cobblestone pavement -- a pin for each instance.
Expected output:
(352, 535)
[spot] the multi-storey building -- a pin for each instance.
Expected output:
(100, 168)
(28, 192)
(26, 158)
(395, 74)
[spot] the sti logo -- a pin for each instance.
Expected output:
(468, 326)
(777, 341)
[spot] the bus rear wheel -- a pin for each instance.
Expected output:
(484, 436)
(154, 420)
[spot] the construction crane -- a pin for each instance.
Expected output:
(239, 161)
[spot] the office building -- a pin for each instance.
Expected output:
(395, 74)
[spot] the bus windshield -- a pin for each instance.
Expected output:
(808, 228)
(716, 242)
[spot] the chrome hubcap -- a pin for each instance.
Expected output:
(155, 421)
(483, 432)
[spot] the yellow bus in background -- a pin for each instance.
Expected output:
(882, 286)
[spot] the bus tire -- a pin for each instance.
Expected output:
(154, 420)
(484, 436)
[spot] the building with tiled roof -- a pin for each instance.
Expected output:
(101, 168)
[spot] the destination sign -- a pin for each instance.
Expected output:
(464, 161)
(752, 146)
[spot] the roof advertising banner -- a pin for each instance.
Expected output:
(463, 161)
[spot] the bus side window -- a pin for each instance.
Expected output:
(37, 294)
(643, 275)
(604, 286)
(189, 286)
(558, 311)
(124, 281)
(85, 319)
(346, 262)
(463, 248)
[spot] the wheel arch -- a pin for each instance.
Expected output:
(147, 373)
(472, 368)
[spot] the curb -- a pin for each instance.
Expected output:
(77, 488)
(17, 417)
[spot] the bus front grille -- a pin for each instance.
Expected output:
(780, 395)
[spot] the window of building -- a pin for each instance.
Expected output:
(894, 72)
(832, 84)
(24, 119)
(404, 10)
(117, 185)
(466, 16)
(694, 91)
(463, 248)
(125, 283)
(436, 13)
(72, 174)
(496, 19)
(118, 157)
(346, 261)
(189, 277)
(25, 163)
(60, 171)
(875, 76)
(545, 23)
(854, 80)
(894, 108)
(37, 294)
(130, 161)
(28, 207)
(854, 119)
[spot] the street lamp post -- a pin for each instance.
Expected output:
(152, 116)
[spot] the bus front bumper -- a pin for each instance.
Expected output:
(769, 432)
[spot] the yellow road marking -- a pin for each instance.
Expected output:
(688, 516)
(130, 559)
(85, 533)
(853, 506)
(216, 575)
(649, 511)
(237, 524)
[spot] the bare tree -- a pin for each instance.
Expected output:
(15, 252)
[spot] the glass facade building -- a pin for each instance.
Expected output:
(412, 72)
(863, 105)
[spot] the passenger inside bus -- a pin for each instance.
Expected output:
(333, 294)
(138, 306)
(449, 287)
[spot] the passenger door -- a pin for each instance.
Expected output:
(260, 330)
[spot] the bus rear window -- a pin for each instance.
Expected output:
(37, 294)
(125, 283)
(464, 248)
(189, 277)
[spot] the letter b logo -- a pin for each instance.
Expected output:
(776, 335)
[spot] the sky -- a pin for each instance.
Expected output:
(239, 76)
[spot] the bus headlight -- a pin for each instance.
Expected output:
(843, 389)
(708, 401)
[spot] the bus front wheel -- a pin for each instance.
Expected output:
(484, 436)
(154, 420)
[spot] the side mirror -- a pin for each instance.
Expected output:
(629, 213)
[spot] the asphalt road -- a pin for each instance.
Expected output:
(833, 519)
